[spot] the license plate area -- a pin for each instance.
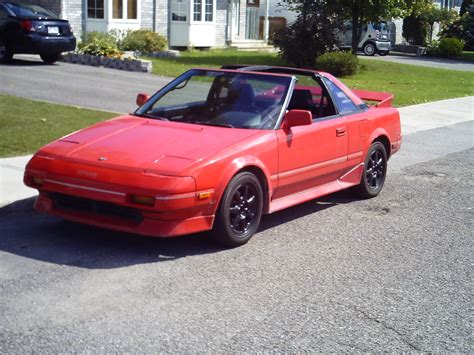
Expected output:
(53, 30)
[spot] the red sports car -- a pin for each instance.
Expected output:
(216, 149)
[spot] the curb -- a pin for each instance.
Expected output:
(133, 65)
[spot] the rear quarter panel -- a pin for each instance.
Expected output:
(384, 121)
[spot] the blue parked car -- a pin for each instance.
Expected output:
(31, 29)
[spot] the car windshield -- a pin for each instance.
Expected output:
(23, 10)
(381, 26)
(220, 98)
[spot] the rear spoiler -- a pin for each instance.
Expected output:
(383, 99)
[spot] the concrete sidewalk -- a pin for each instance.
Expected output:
(414, 119)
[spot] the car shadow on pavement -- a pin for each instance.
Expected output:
(36, 236)
(23, 62)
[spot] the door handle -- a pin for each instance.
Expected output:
(340, 131)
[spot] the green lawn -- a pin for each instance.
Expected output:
(410, 84)
(211, 59)
(26, 125)
(468, 56)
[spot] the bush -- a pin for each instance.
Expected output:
(144, 41)
(338, 63)
(100, 44)
(461, 29)
(446, 47)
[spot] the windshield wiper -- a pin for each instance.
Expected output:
(144, 115)
(228, 125)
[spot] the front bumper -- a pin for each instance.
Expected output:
(104, 197)
(138, 221)
(382, 45)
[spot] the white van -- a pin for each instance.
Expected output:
(375, 38)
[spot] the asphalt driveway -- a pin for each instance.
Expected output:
(424, 61)
(78, 85)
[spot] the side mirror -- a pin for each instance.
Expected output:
(142, 98)
(295, 118)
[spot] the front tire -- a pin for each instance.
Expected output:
(50, 58)
(383, 53)
(375, 170)
(6, 55)
(369, 49)
(240, 211)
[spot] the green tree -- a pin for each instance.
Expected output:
(363, 11)
(432, 14)
(313, 33)
(465, 6)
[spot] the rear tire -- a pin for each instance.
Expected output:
(240, 211)
(50, 58)
(5, 55)
(369, 49)
(375, 170)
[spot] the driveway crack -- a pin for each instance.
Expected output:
(386, 326)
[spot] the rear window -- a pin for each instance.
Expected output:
(23, 10)
(381, 26)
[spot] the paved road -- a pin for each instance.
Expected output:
(425, 61)
(72, 84)
(388, 274)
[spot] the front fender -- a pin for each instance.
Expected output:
(240, 164)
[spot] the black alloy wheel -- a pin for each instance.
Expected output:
(375, 170)
(240, 211)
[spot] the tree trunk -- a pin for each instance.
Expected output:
(355, 28)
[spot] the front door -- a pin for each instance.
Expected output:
(235, 20)
(310, 156)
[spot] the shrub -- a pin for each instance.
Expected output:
(461, 29)
(100, 44)
(338, 63)
(144, 41)
(446, 47)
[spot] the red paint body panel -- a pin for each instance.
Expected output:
(92, 175)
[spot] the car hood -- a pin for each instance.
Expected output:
(149, 145)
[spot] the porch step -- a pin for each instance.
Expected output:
(252, 45)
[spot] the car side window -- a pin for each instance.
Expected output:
(3, 12)
(343, 103)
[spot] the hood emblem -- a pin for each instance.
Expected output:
(102, 158)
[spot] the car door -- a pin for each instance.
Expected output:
(356, 121)
(312, 155)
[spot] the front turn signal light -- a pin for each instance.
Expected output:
(37, 180)
(143, 200)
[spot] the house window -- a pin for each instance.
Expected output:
(205, 7)
(95, 9)
(179, 10)
(197, 8)
(209, 10)
(118, 7)
(132, 9)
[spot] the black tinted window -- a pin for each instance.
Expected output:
(3, 12)
(342, 102)
(23, 10)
